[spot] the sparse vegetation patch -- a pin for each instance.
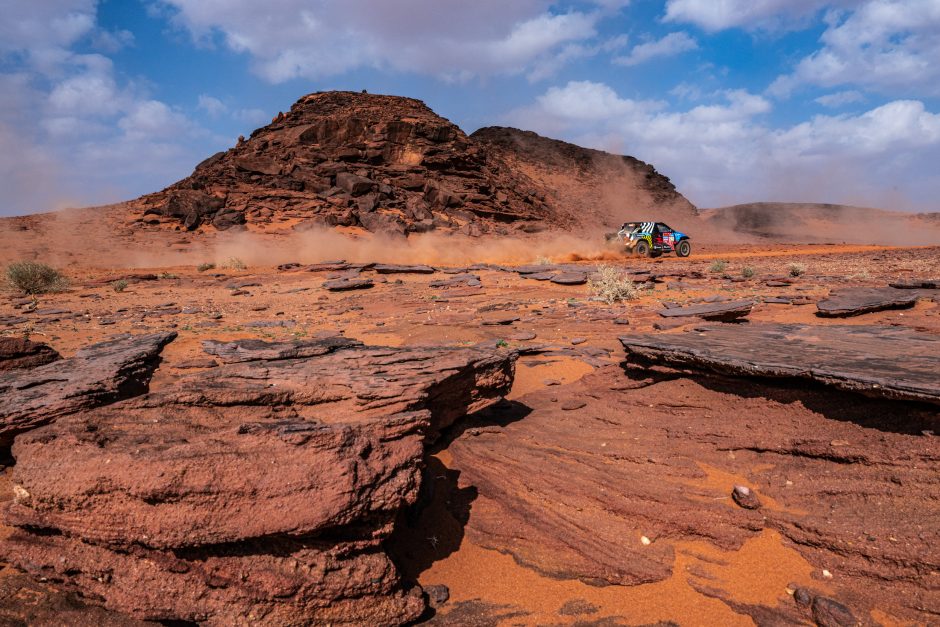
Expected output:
(797, 269)
(612, 284)
(31, 277)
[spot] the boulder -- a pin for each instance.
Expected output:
(353, 184)
(97, 375)
(254, 492)
(383, 223)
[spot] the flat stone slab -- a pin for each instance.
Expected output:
(387, 268)
(917, 284)
(97, 375)
(728, 310)
(242, 350)
(569, 278)
(862, 300)
(888, 362)
(345, 285)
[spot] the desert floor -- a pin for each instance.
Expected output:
(566, 337)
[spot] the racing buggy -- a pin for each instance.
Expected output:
(652, 239)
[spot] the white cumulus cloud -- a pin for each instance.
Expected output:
(456, 41)
(670, 45)
(725, 152)
(887, 46)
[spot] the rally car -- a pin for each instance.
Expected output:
(652, 239)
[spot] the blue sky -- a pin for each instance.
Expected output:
(735, 100)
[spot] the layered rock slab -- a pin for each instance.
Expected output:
(890, 362)
(17, 353)
(98, 374)
(573, 494)
(257, 491)
(862, 300)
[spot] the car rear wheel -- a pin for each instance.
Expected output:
(642, 249)
(683, 248)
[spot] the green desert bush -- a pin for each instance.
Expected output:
(612, 284)
(119, 286)
(747, 272)
(205, 266)
(719, 265)
(31, 277)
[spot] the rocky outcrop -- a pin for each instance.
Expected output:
(258, 491)
(585, 186)
(856, 301)
(99, 374)
(857, 358)
(618, 490)
(17, 353)
(391, 165)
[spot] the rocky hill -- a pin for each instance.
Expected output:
(390, 164)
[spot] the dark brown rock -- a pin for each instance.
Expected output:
(390, 268)
(863, 359)
(861, 300)
(18, 352)
(567, 278)
(345, 285)
(830, 613)
(916, 284)
(745, 497)
(727, 310)
(253, 492)
(99, 374)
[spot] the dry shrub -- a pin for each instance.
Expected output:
(234, 263)
(797, 269)
(612, 284)
(31, 277)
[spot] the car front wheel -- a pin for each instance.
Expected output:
(683, 248)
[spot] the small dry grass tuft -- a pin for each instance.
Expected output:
(31, 277)
(234, 263)
(612, 284)
(797, 269)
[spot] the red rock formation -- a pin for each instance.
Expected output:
(17, 353)
(99, 374)
(258, 491)
(391, 165)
